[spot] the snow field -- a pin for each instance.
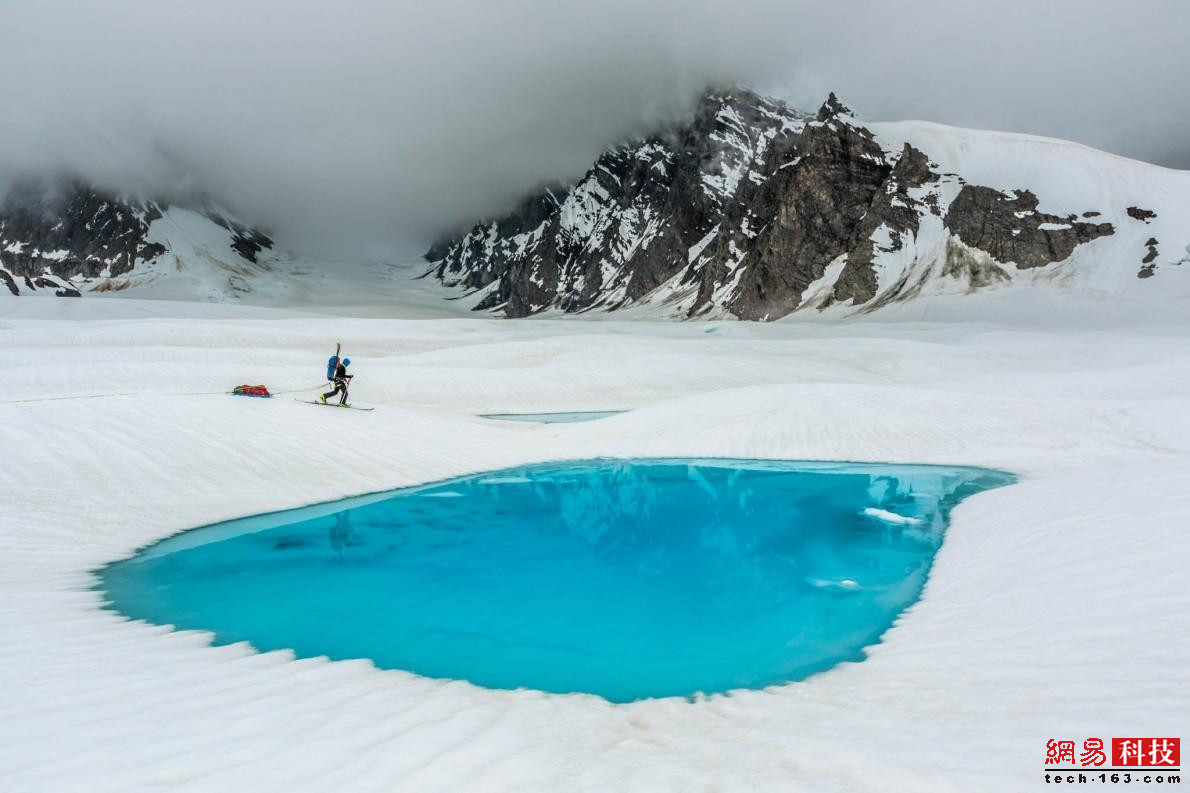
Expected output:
(1055, 608)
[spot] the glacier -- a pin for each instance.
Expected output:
(1067, 586)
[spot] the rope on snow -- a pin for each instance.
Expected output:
(149, 393)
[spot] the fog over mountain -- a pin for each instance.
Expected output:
(359, 126)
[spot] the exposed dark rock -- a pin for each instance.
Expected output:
(891, 208)
(245, 241)
(626, 227)
(34, 284)
(832, 107)
(1011, 230)
(59, 289)
(1152, 254)
(812, 213)
(71, 231)
(1149, 267)
(743, 210)
(1140, 214)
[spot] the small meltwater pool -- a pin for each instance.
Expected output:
(553, 418)
(627, 579)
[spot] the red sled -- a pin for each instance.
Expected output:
(251, 391)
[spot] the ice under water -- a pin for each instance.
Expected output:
(571, 417)
(622, 578)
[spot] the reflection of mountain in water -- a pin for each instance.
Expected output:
(340, 532)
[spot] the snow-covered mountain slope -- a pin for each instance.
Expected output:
(755, 210)
(70, 239)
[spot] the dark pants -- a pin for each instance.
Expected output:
(340, 385)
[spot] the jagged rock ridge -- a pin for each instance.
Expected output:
(68, 237)
(756, 210)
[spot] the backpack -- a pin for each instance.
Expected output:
(331, 364)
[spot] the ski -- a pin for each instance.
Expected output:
(330, 404)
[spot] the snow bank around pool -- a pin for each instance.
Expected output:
(1055, 608)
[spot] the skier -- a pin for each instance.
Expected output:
(341, 380)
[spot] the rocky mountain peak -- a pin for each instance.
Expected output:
(753, 209)
(832, 107)
(68, 236)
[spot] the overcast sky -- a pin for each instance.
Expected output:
(360, 125)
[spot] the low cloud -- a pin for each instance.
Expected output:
(358, 128)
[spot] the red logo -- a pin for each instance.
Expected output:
(1059, 752)
(1146, 752)
(1093, 752)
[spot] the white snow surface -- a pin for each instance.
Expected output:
(200, 265)
(1067, 178)
(891, 517)
(1056, 608)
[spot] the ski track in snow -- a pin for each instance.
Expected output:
(1056, 607)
